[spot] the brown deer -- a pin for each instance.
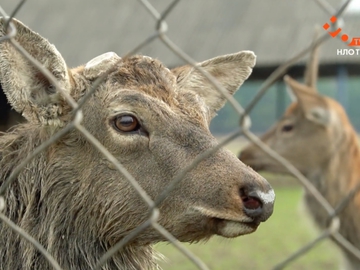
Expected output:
(155, 121)
(316, 136)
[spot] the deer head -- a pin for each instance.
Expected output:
(307, 133)
(153, 120)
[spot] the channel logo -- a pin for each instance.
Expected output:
(344, 37)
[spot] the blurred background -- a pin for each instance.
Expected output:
(275, 30)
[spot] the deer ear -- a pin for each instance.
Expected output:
(313, 105)
(312, 66)
(295, 89)
(27, 89)
(319, 115)
(230, 70)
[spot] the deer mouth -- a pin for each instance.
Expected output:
(254, 164)
(231, 228)
(252, 161)
(257, 166)
(227, 225)
(268, 167)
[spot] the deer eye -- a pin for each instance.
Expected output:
(126, 123)
(287, 128)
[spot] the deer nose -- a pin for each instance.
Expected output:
(244, 155)
(257, 204)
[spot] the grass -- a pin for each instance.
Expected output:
(284, 233)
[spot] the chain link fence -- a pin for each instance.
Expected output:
(160, 33)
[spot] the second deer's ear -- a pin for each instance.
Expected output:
(313, 105)
(230, 70)
(312, 66)
(319, 115)
(27, 89)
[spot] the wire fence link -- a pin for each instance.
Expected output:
(160, 33)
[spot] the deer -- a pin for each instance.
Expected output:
(154, 121)
(316, 136)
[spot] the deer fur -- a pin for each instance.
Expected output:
(316, 136)
(72, 200)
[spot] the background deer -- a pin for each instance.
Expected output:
(316, 136)
(153, 120)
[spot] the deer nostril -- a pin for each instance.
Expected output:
(251, 202)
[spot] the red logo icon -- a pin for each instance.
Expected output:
(354, 42)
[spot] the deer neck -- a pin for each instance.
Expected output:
(339, 176)
(341, 171)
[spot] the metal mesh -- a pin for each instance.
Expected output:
(160, 33)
